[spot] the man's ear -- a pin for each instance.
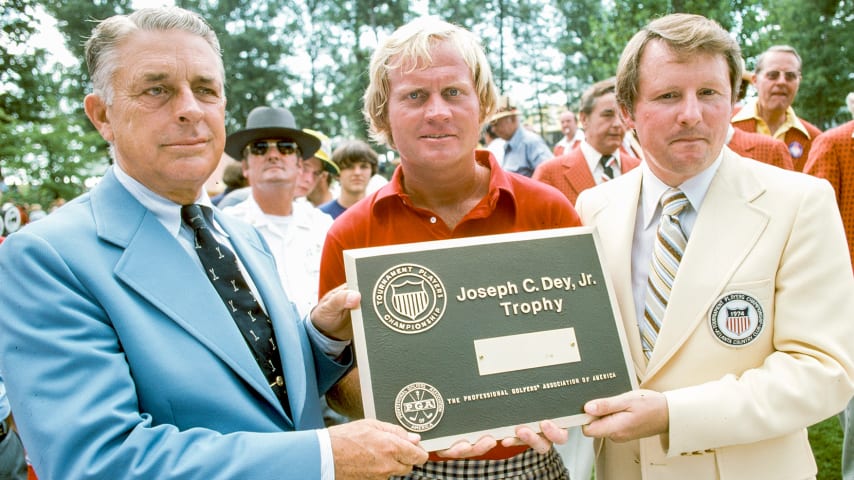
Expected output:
(96, 110)
(628, 118)
(244, 163)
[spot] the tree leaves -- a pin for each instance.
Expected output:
(312, 56)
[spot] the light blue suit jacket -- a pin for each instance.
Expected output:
(121, 361)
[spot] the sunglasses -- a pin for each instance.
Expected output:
(285, 147)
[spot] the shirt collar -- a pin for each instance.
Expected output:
(792, 121)
(516, 139)
(166, 211)
(499, 182)
(251, 211)
(751, 111)
(695, 188)
(593, 156)
(730, 131)
(747, 112)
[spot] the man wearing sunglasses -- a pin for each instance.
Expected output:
(777, 79)
(274, 155)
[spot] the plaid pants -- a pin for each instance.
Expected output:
(528, 465)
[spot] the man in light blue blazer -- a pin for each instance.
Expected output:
(121, 359)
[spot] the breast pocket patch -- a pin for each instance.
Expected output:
(737, 319)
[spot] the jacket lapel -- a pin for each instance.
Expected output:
(616, 224)
(122, 220)
(712, 256)
(628, 161)
(577, 173)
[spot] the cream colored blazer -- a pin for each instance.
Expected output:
(758, 338)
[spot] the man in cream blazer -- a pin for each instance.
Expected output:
(756, 339)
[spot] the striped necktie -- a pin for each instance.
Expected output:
(607, 162)
(666, 254)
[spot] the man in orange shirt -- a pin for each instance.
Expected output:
(430, 91)
(777, 79)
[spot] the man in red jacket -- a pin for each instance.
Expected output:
(572, 136)
(832, 158)
(759, 147)
(600, 156)
(777, 79)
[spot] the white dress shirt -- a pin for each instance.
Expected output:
(646, 222)
(593, 157)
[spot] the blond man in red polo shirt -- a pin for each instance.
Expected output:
(430, 92)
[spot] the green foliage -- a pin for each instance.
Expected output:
(826, 442)
(256, 39)
(312, 57)
(75, 20)
(344, 35)
(823, 34)
(46, 152)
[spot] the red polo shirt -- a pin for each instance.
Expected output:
(514, 203)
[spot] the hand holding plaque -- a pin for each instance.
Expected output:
(457, 339)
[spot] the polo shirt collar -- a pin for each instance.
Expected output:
(499, 183)
(751, 112)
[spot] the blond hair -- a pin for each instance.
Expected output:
(411, 45)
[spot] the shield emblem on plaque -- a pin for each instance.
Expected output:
(410, 299)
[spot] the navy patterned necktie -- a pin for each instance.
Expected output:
(222, 270)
